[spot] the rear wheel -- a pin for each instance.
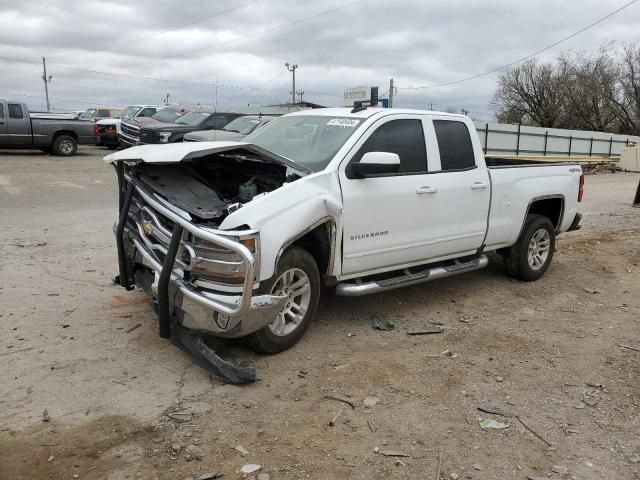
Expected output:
(298, 279)
(65, 145)
(531, 255)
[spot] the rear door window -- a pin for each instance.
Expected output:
(103, 113)
(1, 110)
(15, 111)
(454, 143)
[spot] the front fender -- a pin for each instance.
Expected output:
(284, 214)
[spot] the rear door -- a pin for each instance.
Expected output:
(18, 125)
(458, 208)
(3, 125)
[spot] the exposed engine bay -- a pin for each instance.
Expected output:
(216, 185)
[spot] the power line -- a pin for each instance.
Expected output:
(260, 32)
(548, 47)
(152, 79)
(172, 29)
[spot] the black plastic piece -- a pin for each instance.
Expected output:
(636, 200)
(575, 225)
(164, 307)
(193, 344)
(123, 277)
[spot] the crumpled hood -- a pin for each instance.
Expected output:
(172, 152)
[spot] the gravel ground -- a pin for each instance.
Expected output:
(548, 358)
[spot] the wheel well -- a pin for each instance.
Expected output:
(72, 134)
(318, 243)
(552, 208)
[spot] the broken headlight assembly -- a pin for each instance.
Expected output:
(214, 263)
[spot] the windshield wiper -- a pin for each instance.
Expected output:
(231, 130)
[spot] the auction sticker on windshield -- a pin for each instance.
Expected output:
(344, 122)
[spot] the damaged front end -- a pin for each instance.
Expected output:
(201, 279)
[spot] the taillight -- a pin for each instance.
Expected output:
(581, 188)
(96, 129)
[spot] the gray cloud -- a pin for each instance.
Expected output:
(417, 42)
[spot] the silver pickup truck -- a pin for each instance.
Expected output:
(19, 130)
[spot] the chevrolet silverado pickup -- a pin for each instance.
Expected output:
(109, 128)
(237, 239)
(60, 136)
(129, 134)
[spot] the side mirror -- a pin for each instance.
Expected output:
(376, 163)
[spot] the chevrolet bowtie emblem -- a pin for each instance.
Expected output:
(146, 227)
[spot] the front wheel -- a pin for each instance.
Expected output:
(298, 279)
(532, 253)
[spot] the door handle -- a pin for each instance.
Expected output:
(479, 186)
(424, 190)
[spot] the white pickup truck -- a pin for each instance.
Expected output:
(237, 239)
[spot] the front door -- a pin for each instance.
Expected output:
(384, 216)
(18, 125)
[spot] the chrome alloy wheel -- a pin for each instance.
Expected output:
(65, 147)
(539, 248)
(295, 285)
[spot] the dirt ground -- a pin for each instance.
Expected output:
(557, 361)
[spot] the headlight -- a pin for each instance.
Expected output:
(164, 136)
(220, 264)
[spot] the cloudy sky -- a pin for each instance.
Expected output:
(111, 52)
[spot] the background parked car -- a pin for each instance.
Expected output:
(95, 113)
(202, 119)
(109, 128)
(235, 130)
(130, 129)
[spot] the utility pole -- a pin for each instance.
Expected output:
(300, 93)
(47, 80)
(292, 69)
(215, 108)
(391, 93)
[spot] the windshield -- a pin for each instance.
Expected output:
(243, 125)
(88, 114)
(167, 115)
(193, 118)
(128, 112)
(310, 141)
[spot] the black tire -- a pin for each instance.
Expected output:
(265, 340)
(516, 258)
(65, 145)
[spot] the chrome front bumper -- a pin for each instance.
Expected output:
(203, 310)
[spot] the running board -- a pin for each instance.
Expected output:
(356, 289)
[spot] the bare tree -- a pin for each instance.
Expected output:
(530, 93)
(628, 98)
(597, 90)
(591, 87)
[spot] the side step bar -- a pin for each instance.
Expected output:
(356, 289)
